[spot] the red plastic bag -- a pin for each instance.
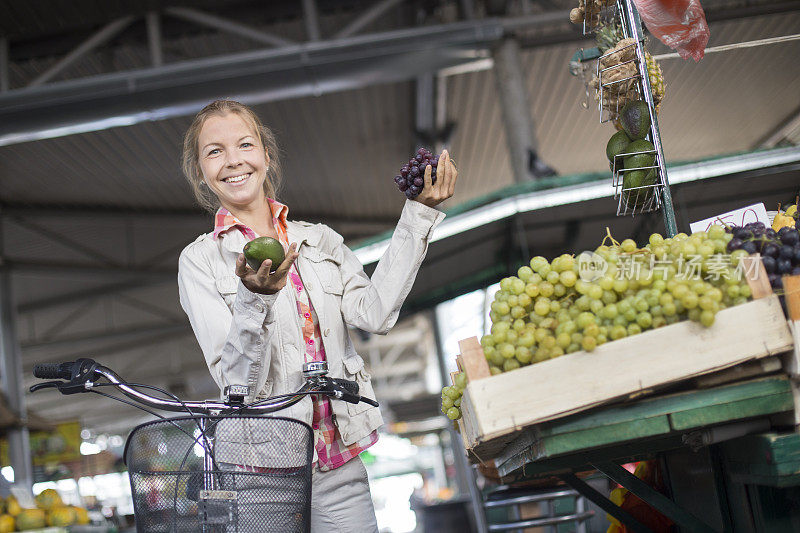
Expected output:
(680, 24)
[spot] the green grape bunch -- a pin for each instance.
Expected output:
(549, 309)
(451, 397)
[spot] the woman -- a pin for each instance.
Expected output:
(257, 328)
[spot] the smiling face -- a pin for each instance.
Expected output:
(233, 161)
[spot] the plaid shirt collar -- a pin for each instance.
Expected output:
(224, 220)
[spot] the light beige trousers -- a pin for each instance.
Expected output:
(341, 501)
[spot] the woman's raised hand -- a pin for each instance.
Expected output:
(261, 281)
(446, 174)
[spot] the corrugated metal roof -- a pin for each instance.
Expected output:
(341, 149)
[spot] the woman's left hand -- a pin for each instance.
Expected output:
(446, 174)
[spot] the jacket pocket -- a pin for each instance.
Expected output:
(354, 370)
(327, 270)
(227, 286)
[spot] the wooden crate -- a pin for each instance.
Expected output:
(495, 408)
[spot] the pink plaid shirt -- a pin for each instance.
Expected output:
(331, 451)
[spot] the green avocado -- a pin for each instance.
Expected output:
(635, 119)
(637, 160)
(262, 248)
(634, 197)
(616, 145)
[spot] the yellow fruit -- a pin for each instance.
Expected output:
(782, 221)
(656, 78)
(7, 523)
(617, 497)
(12, 506)
(81, 515)
(31, 519)
(61, 516)
(48, 499)
(791, 210)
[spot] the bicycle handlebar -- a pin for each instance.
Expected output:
(53, 371)
(84, 373)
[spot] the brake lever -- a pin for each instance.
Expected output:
(82, 374)
(45, 385)
(369, 401)
(340, 392)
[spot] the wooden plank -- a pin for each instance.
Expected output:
(587, 439)
(761, 367)
(544, 441)
(766, 459)
(507, 402)
(715, 414)
(473, 359)
(666, 405)
(630, 451)
(765, 448)
(756, 276)
(791, 290)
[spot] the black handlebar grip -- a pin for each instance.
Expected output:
(346, 384)
(53, 370)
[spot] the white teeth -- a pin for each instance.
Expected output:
(236, 179)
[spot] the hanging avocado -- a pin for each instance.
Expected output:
(616, 145)
(635, 119)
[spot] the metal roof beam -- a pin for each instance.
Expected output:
(72, 298)
(309, 69)
(781, 132)
(366, 18)
(59, 238)
(227, 26)
(102, 36)
(49, 269)
(127, 334)
(117, 212)
(136, 342)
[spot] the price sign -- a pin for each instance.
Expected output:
(740, 217)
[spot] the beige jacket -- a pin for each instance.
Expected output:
(256, 340)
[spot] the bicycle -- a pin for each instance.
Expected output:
(223, 468)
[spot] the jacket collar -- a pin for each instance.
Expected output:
(298, 232)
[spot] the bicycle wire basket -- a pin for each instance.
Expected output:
(214, 474)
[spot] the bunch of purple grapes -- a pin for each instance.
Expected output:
(780, 250)
(411, 179)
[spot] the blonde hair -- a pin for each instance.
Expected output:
(191, 154)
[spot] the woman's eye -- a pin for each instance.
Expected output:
(214, 151)
(246, 145)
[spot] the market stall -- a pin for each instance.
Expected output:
(644, 355)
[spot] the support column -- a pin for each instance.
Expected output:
(5, 73)
(466, 474)
(311, 19)
(19, 449)
(516, 109)
(153, 23)
(430, 116)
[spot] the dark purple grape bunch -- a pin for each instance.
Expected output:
(780, 250)
(411, 179)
